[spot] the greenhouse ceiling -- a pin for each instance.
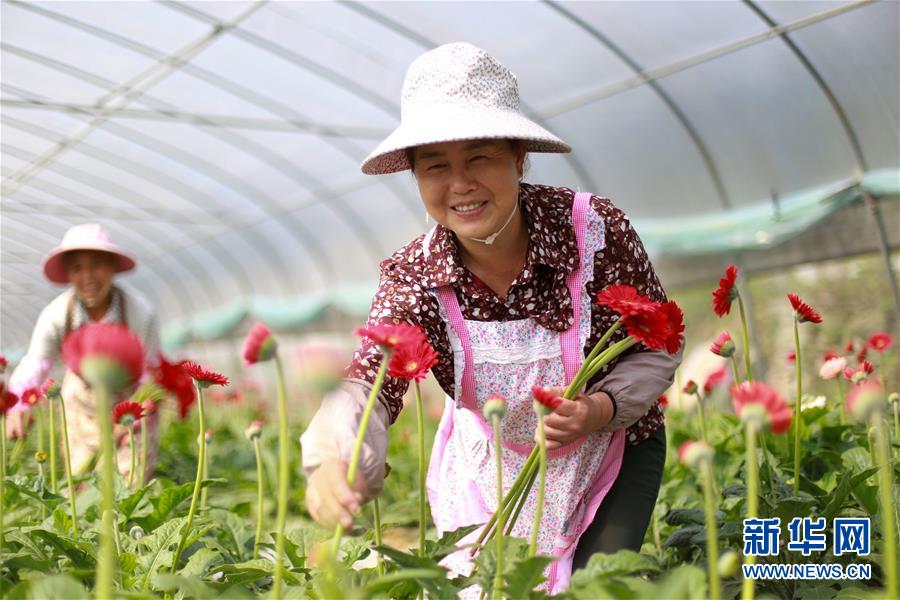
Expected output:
(220, 141)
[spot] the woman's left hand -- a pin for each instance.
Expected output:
(574, 419)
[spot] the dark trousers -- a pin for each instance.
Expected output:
(623, 517)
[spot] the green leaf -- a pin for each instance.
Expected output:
(128, 562)
(58, 587)
(234, 529)
(62, 522)
(524, 576)
(685, 516)
(168, 501)
(683, 537)
(448, 542)
(686, 581)
(437, 587)
(157, 544)
(838, 497)
(356, 548)
(199, 562)
(27, 543)
(128, 505)
(22, 560)
(81, 553)
(33, 487)
(623, 562)
(788, 508)
(735, 489)
(251, 571)
(190, 587)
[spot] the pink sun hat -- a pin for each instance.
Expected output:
(89, 236)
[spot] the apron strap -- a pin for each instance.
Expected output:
(447, 297)
(570, 340)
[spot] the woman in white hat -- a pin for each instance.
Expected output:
(86, 260)
(503, 287)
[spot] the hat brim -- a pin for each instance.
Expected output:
(453, 124)
(55, 268)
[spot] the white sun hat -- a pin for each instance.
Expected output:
(458, 92)
(89, 236)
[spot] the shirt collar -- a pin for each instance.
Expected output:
(551, 239)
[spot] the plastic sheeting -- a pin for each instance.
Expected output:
(220, 141)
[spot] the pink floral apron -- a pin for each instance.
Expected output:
(509, 358)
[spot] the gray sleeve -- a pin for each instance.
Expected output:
(45, 338)
(332, 433)
(636, 383)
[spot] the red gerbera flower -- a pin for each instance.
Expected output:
(791, 357)
(259, 345)
(50, 389)
(31, 396)
(674, 325)
(804, 311)
(694, 453)
(545, 398)
(862, 354)
(715, 379)
(106, 353)
(651, 329)
(177, 381)
(828, 355)
(723, 345)
(880, 341)
(413, 361)
(389, 337)
(149, 407)
(7, 401)
(203, 376)
(3, 364)
(127, 413)
(866, 367)
(866, 398)
(624, 300)
(849, 347)
(747, 394)
(663, 400)
(726, 292)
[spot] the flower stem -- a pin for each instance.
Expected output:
(897, 421)
(734, 369)
(107, 555)
(885, 487)
(768, 463)
(712, 532)
(498, 453)
(420, 425)
(281, 516)
(144, 454)
(259, 499)
(798, 422)
(133, 457)
(752, 498)
(2, 473)
(539, 509)
(526, 473)
(843, 406)
(523, 497)
(52, 445)
(202, 455)
(43, 485)
(700, 414)
(360, 435)
(379, 567)
(746, 339)
(204, 493)
(65, 428)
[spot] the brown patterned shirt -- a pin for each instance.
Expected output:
(539, 292)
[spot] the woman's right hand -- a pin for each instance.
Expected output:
(17, 424)
(329, 498)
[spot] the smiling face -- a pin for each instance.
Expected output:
(90, 273)
(469, 187)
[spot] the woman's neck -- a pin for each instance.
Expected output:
(99, 310)
(497, 264)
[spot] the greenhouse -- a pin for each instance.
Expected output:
(445, 299)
